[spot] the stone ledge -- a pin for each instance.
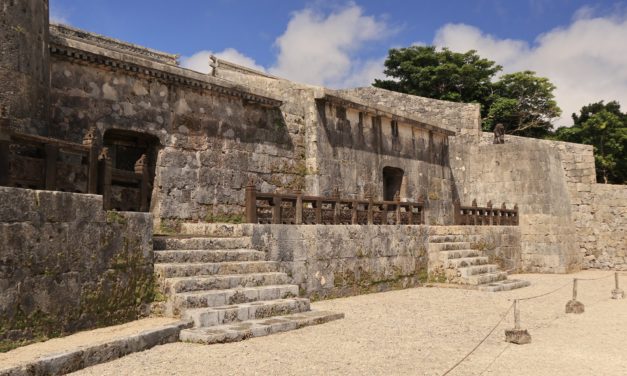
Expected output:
(68, 354)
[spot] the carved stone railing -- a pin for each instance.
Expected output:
(297, 208)
(31, 161)
(39, 170)
(485, 216)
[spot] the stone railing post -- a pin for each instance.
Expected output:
(92, 161)
(277, 203)
(490, 213)
(474, 212)
(104, 179)
(370, 208)
(457, 212)
(336, 206)
(141, 167)
(397, 199)
(251, 201)
(298, 210)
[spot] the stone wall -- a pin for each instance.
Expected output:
(213, 135)
(67, 265)
(24, 65)
(344, 260)
(530, 173)
(462, 118)
(602, 225)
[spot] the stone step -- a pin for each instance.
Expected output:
(477, 269)
(224, 230)
(465, 261)
(505, 285)
(217, 298)
(172, 270)
(213, 255)
(482, 279)
(459, 253)
(435, 247)
(257, 328)
(182, 242)
(203, 317)
(447, 238)
(223, 282)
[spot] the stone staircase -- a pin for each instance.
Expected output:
(460, 264)
(227, 289)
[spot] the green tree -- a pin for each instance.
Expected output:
(604, 127)
(447, 75)
(524, 103)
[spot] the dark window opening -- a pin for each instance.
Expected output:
(392, 181)
(394, 126)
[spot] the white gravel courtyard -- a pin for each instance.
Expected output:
(422, 331)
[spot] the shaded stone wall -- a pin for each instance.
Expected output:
(24, 64)
(462, 118)
(345, 260)
(210, 142)
(67, 265)
(529, 173)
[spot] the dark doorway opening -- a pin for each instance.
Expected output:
(392, 182)
(126, 148)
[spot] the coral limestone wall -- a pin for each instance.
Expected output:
(67, 265)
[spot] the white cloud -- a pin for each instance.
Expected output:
(58, 16)
(200, 60)
(320, 49)
(587, 60)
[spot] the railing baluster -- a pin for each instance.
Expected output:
(298, 209)
(50, 166)
(277, 202)
(251, 201)
(104, 180)
(141, 167)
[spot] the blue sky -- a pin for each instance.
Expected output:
(579, 45)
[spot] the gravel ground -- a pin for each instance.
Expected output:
(422, 331)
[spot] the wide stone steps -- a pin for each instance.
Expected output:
(203, 317)
(212, 276)
(504, 285)
(213, 229)
(465, 261)
(459, 253)
(477, 270)
(171, 270)
(200, 243)
(466, 266)
(223, 282)
(257, 328)
(447, 238)
(449, 246)
(216, 298)
(211, 255)
(481, 279)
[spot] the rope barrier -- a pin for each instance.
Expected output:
(595, 279)
(494, 360)
(480, 343)
(545, 294)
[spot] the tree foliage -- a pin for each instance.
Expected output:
(447, 75)
(604, 127)
(522, 101)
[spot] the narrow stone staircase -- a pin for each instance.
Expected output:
(460, 264)
(228, 289)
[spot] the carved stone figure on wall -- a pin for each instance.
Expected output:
(499, 134)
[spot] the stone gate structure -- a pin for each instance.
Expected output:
(182, 146)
